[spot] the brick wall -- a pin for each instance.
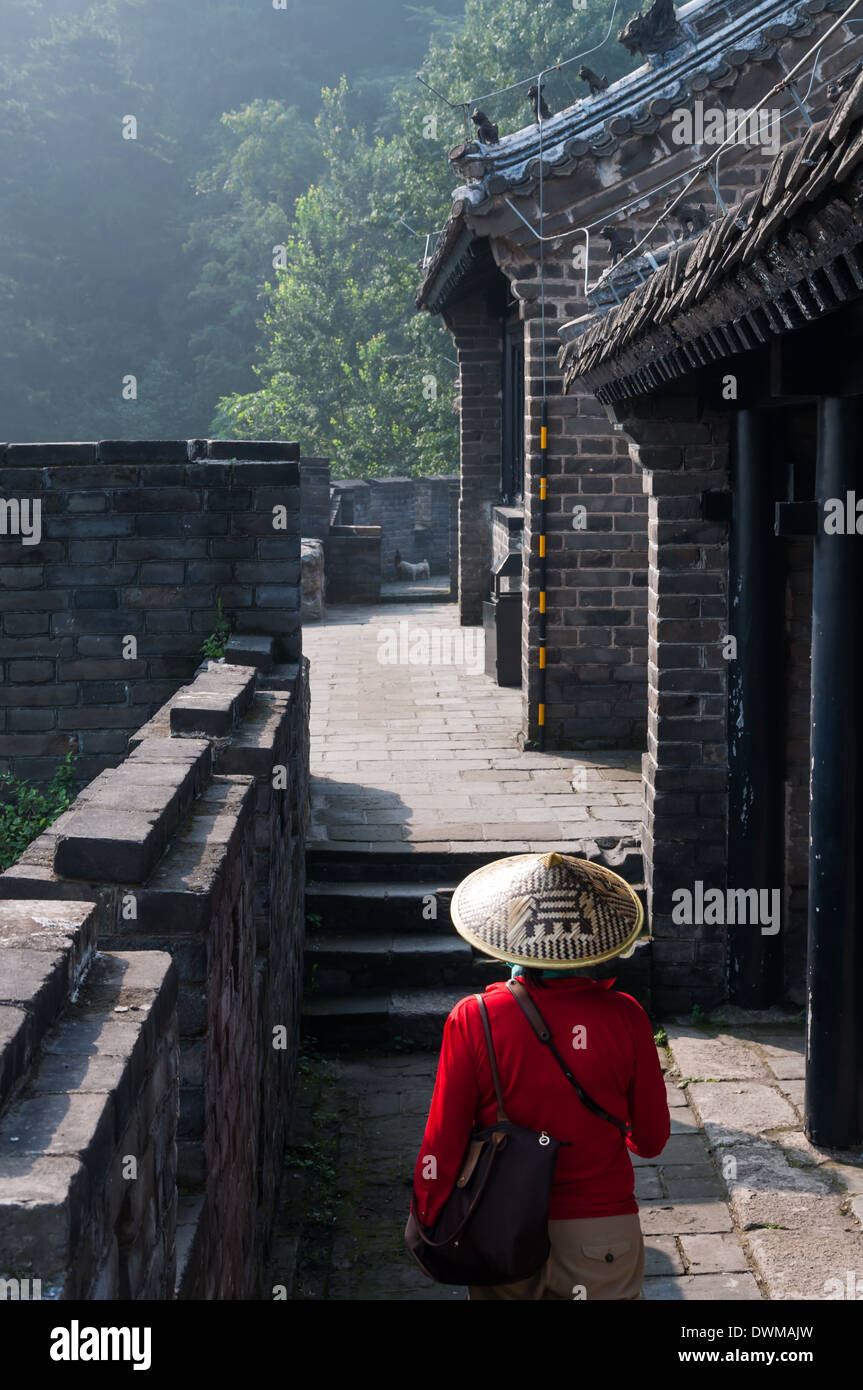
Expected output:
(433, 514)
(315, 498)
(355, 496)
(186, 866)
(413, 514)
(353, 564)
(685, 767)
(88, 1113)
(596, 685)
(140, 541)
(478, 336)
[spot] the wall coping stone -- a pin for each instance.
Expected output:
(71, 1116)
(44, 951)
(251, 650)
(214, 703)
(119, 825)
(132, 451)
(253, 450)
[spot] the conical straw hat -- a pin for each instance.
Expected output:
(551, 911)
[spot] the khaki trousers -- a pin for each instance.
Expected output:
(594, 1258)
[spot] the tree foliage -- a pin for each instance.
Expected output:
(257, 129)
(366, 380)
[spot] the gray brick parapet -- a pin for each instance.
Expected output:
(88, 1143)
(191, 854)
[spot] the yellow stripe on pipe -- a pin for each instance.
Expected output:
(542, 658)
(543, 436)
(542, 600)
(541, 547)
(543, 488)
(541, 715)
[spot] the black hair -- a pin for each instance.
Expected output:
(532, 976)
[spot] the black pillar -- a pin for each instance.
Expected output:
(756, 702)
(834, 1042)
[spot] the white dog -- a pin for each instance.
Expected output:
(405, 570)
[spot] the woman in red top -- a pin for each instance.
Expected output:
(572, 910)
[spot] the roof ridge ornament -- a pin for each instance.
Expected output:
(653, 33)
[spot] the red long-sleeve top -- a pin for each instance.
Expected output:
(613, 1055)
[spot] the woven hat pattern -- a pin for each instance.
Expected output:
(547, 909)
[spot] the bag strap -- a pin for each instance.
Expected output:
(495, 1074)
(518, 990)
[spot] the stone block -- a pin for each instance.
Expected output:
(313, 587)
(703, 1288)
(714, 1254)
(114, 451)
(737, 1112)
(72, 1125)
(714, 1058)
(661, 1257)
(111, 845)
(664, 1218)
(810, 1263)
(42, 1201)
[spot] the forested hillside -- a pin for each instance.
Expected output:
(205, 212)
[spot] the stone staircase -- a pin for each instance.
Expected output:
(383, 962)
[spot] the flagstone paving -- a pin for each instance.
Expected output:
(734, 1208)
(740, 1205)
(426, 757)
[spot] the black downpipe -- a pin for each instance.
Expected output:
(756, 702)
(834, 1034)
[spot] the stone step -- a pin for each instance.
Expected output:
(384, 906)
(247, 649)
(337, 964)
(418, 594)
(414, 1015)
(402, 864)
(394, 865)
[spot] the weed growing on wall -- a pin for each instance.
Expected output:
(217, 643)
(27, 810)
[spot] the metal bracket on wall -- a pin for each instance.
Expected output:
(716, 505)
(796, 519)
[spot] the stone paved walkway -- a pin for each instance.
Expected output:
(425, 756)
(738, 1206)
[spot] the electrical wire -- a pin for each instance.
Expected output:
(703, 170)
(730, 140)
(524, 81)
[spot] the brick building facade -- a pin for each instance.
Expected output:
(735, 372)
(504, 294)
(643, 586)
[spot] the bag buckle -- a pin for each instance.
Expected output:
(544, 1139)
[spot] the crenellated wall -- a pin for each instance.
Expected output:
(151, 939)
(185, 867)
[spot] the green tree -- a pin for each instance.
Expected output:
(345, 365)
(94, 281)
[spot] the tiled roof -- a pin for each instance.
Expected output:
(789, 252)
(720, 37)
